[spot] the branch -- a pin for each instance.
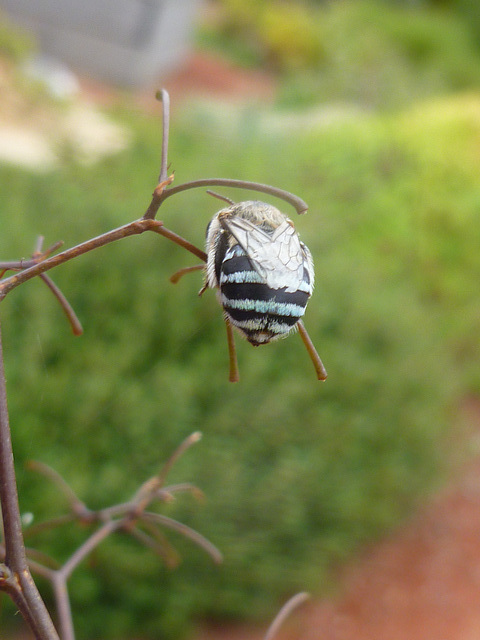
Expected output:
(296, 202)
(186, 531)
(66, 306)
(284, 612)
(164, 98)
(15, 558)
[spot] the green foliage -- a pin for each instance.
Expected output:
(376, 53)
(297, 474)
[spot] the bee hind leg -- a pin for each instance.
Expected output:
(174, 278)
(234, 375)
(312, 352)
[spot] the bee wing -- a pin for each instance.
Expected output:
(278, 258)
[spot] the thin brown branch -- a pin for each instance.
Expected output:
(157, 198)
(132, 228)
(64, 610)
(234, 374)
(161, 547)
(20, 265)
(10, 585)
(15, 556)
(166, 233)
(75, 323)
(187, 532)
(192, 439)
(312, 352)
(88, 546)
(284, 612)
(76, 505)
(181, 487)
(53, 523)
(299, 205)
(174, 278)
(164, 98)
(219, 196)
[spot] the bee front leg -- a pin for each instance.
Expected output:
(312, 352)
(234, 375)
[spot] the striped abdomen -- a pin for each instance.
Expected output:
(262, 313)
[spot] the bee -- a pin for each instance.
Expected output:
(262, 271)
(263, 274)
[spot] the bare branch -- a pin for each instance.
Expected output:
(76, 505)
(312, 352)
(296, 202)
(284, 612)
(15, 557)
(64, 610)
(166, 233)
(186, 531)
(220, 196)
(88, 546)
(53, 523)
(174, 278)
(75, 323)
(158, 544)
(192, 439)
(133, 228)
(10, 585)
(164, 98)
(182, 487)
(234, 375)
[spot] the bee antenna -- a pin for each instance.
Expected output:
(219, 196)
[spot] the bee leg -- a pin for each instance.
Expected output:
(181, 272)
(312, 352)
(234, 375)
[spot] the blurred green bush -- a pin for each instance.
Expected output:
(373, 52)
(297, 474)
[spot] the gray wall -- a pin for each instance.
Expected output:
(127, 42)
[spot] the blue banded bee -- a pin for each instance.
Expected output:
(263, 272)
(263, 275)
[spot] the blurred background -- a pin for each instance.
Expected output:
(370, 111)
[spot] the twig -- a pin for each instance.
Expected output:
(192, 439)
(10, 585)
(296, 202)
(146, 492)
(312, 352)
(75, 323)
(219, 196)
(158, 544)
(35, 611)
(186, 531)
(284, 612)
(175, 277)
(164, 98)
(76, 505)
(234, 375)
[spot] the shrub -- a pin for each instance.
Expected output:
(297, 474)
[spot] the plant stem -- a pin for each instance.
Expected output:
(15, 558)
(296, 202)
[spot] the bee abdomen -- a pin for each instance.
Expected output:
(259, 311)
